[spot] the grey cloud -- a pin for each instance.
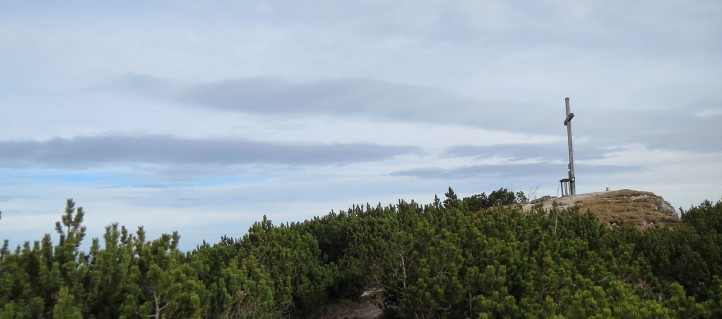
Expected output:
(142, 84)
(343, 98)
(347, 97)
(584, 169)
(160, 149)
(675, 130)
(476, 171)
(373, 99)
(546, 152)
(509, 171)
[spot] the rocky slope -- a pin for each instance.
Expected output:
(643, 209)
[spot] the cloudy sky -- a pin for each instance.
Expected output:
(202, 116)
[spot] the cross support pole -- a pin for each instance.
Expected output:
(568, 124)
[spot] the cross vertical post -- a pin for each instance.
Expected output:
(568, 124)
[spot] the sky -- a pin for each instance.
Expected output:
(203, 116)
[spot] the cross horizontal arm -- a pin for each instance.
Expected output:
(569, 118)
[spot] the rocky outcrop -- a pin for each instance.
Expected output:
(643, 209)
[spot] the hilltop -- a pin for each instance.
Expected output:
(478, 256)
(643, 209)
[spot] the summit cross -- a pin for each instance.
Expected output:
(568, 123)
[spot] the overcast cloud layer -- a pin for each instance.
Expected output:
(202, 117)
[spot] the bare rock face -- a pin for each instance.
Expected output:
(643, 209)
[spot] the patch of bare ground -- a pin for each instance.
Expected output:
(643, 209)
(364, 308)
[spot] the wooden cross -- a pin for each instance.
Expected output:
(568, 124)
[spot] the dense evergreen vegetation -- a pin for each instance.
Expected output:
(476, 257)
